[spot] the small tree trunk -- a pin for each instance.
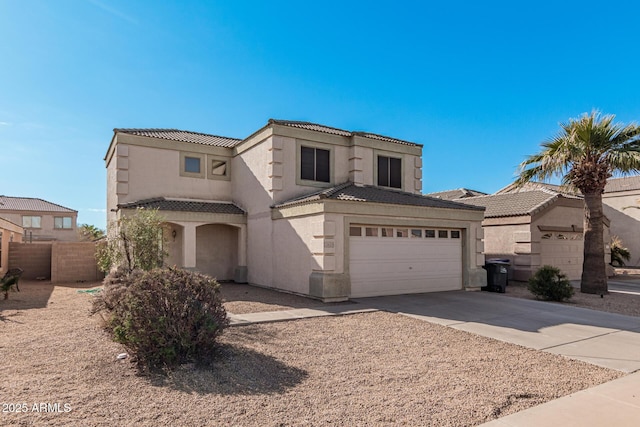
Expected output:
(594, 273)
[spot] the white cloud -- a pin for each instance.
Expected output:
(114, 12)
(95, 210)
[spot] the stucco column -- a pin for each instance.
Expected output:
(189, 245)
(241, 272)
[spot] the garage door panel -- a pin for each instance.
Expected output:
(387, 266)
(567, 254)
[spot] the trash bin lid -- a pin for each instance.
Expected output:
(498, 261)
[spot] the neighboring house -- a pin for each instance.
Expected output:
(460, 193)
(42, 221)
(621, 201)
(298, 206)
(534, 226)
(9, 232)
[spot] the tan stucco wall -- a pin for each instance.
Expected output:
(560, 216)
(625, 223)
(293, 244)
(11, 232)
(155, 172)
(112, 196)
(266, 167)
(260, 252)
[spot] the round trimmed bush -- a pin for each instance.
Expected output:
(164, 317)
(551, 284)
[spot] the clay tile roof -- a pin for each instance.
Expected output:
(513, 204)
(529, 186)
(370, 194)
(460, 193)
(340, 132)
(163, 204)
(183, 136)
(629, 183)
(30, 204)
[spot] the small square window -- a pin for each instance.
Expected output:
(371, 231)
(416, 232)
(191, 164)
(455, 234)
(355, 231)
(430, 234)
(402, 232)
(218, 168)
(387, 232)
(443, 234)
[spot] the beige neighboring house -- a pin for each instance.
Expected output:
(9, 232)
(621, 201)
(42, 221)
(460, 193)
(298, 206)
(536, 225)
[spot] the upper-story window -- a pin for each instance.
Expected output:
(31, 221)
(191, 164)
(63, 222)
(218, 167)
(389, 172)
(315, 164)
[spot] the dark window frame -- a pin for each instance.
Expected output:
(315, 164)
(389, 171)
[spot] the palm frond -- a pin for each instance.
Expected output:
(585, 152)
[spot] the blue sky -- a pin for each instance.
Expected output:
(479, 84)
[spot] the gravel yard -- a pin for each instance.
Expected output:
(366, 369)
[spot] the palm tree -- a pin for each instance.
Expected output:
(90, 233)
(587, 151)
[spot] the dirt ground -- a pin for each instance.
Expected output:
(61, 368)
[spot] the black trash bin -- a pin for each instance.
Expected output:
(497, 275)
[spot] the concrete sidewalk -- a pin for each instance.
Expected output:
(615, 404)
(298, 313)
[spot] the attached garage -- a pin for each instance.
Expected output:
(401, 260)
(369, 241)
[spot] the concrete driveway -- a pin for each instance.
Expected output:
(604, 339)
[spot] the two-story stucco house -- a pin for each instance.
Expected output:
(41, 220)
(621, 203)
(299, 207)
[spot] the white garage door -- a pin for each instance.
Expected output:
(401, 260)
(565, 251)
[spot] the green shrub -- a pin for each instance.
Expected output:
(550, 284)
(135, 241)
(164, 317)
(619, 254)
